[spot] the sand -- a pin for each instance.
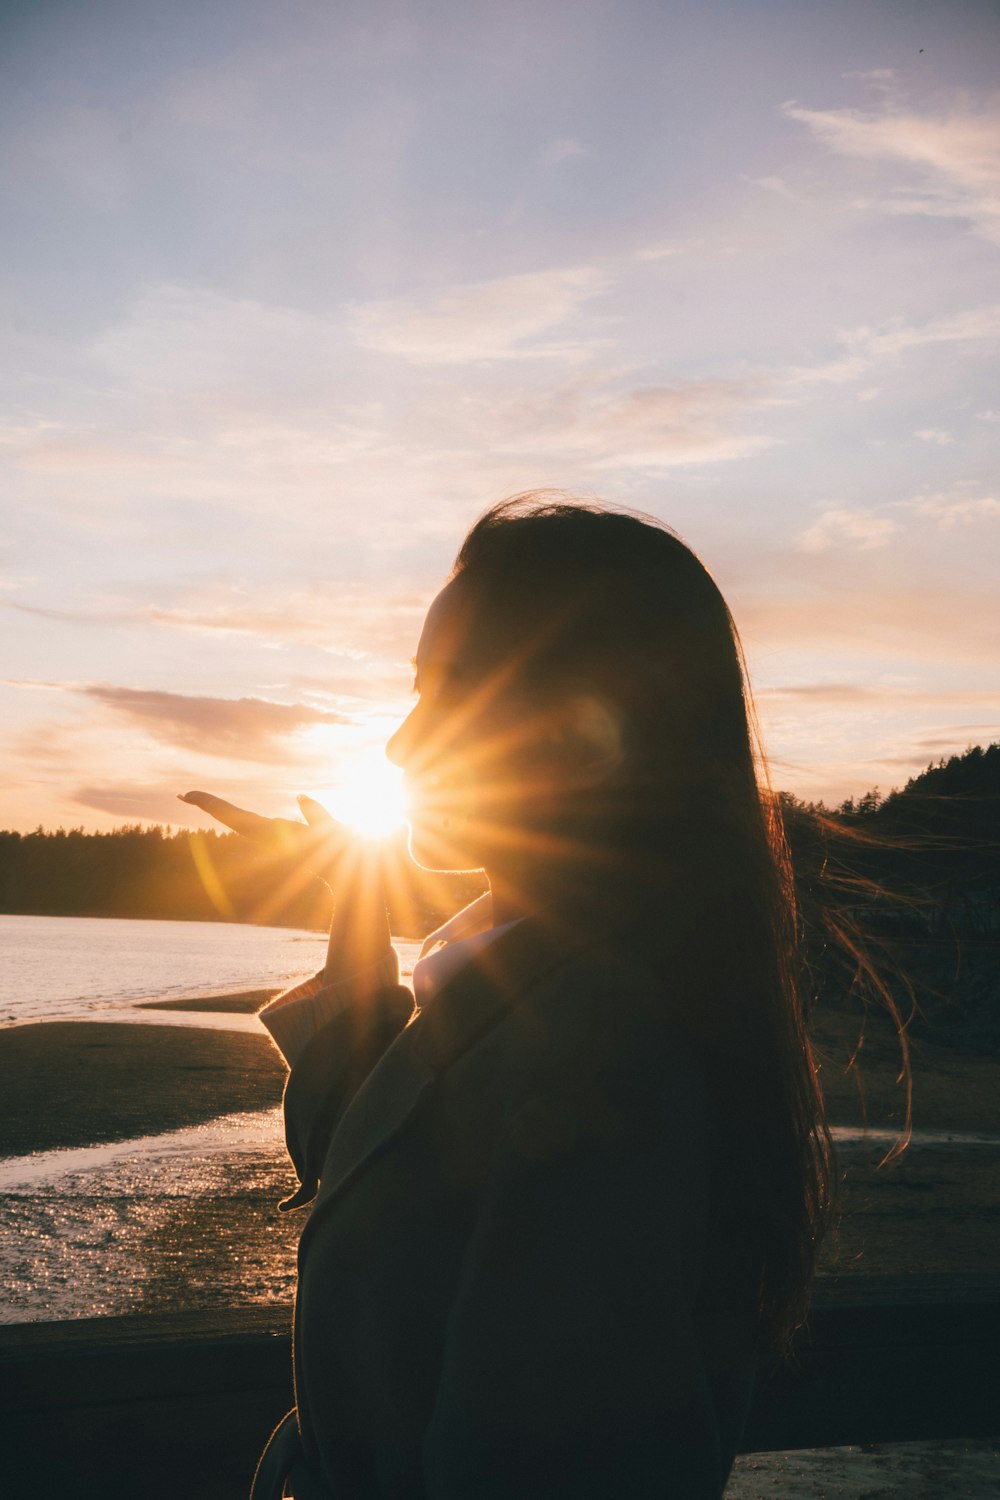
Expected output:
(245, 1003)
(78, 1083)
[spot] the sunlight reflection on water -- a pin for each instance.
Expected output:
(189, 1216)
(184, 1218)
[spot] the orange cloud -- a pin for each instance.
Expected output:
(237, 728)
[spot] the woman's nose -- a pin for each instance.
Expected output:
(399, 745)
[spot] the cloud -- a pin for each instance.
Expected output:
(847, 528)
(957, 157)
(596, 423)
(935, 435)
(191, 339)
(867, 345)
(132, 802)
(879, 694)
(950, 510)
(775, 185)
(71, 616)
(664, 252)
(238, 728)
(507, 318)
(354, 620)
(896, 336)
(561, 149)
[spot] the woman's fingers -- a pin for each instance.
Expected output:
(317, 816)
(321, 839)
(281, 834)
(250, 824)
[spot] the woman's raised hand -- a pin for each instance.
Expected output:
(320, 842)
(359, 934)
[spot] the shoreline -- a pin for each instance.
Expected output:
(934, 1208)
(116, 1078)
(193, 1222)
(84, 1083)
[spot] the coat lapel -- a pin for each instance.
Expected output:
(463, 1012)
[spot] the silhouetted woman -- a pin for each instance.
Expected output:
(564, 1206)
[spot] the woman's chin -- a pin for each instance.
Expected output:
(437, 846)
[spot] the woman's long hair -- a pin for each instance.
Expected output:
(602, 601)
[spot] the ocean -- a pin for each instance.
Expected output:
(91, 967)
(185, 1217)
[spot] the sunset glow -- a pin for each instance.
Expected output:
(371, 800)
(294, 293)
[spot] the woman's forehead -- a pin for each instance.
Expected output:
(447, 635)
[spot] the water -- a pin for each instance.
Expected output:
(63, 967)
(87, 968)
(183, 1218)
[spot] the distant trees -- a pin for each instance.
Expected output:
(193, 876)
(926, 856)
(925, 859)
(899, 897)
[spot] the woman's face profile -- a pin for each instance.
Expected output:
(484, 760)
(454, 747)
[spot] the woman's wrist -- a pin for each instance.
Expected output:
(359, 935)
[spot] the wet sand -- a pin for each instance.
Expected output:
(933, 1208)
(246, 1003)
(76, 1083)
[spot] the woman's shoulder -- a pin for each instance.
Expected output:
(603, 1023)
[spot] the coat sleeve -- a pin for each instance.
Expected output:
(330, 1067)
(572, 1365)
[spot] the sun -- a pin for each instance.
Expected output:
(369, 799)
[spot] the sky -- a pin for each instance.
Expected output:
(291, 291)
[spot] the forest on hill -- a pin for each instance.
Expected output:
(923, 860)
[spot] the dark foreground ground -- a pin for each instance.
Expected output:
(933, 1209)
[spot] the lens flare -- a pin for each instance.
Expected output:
(369, 799)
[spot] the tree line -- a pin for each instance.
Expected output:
(195, 875)
(923, 859)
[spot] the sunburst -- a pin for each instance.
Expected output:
(369, 799)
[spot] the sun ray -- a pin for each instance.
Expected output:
(369, 798)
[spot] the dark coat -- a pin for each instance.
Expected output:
(506, 1285)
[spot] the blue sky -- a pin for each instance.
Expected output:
(293, 291)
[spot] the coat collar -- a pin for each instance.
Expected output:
(467, 1007)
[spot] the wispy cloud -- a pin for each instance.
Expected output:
(866, 346)
(512, 317)
(773, 184)
(884, 695)
(936, 435)
(948, 510)
(132, 802)
(237, 728)
(956, 157)
(598, 421)
(896, 335)
(847, 528)
(351, 620)
(563, 148)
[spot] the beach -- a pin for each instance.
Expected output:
(144, 1162)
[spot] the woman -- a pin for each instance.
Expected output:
(564, 1207)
